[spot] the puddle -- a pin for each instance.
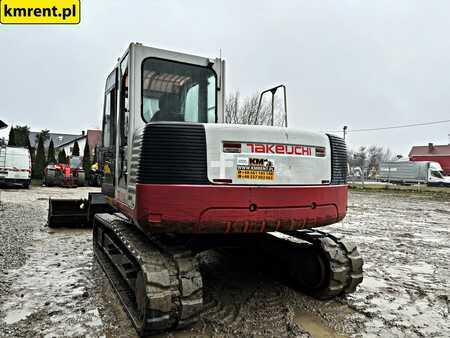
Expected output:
(54, 287)
(17, 315)
(314, 326)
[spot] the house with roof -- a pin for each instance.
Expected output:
(92, 137)
(58, 139)
(431, 152)
(67, 141)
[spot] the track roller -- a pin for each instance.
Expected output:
(158, 282)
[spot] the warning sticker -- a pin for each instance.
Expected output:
(255, 169)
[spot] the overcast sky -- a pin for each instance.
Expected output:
(357, 63)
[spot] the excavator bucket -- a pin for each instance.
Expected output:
(76, 212)
(67, 212)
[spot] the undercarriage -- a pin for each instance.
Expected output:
(158, 281)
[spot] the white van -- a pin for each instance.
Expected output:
(426, 172)
(15, 166)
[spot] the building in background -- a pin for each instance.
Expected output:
(67, 141)
(92, 136)
(436, 153)
(57, 138)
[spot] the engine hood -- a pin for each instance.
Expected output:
(261, 155)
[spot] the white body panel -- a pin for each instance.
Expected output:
(292, 169)
(15, 163)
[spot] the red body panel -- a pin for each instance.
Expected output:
(235, 209)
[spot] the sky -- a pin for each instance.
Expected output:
(364, 64)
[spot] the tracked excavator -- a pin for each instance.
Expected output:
(178, 181)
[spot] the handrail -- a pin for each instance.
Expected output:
(273, 91)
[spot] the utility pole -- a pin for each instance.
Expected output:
(344, 130)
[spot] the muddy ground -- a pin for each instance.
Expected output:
(50, 285)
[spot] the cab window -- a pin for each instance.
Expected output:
(109, 111)
(174, 91)
(436, 174)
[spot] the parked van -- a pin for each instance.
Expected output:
(15, 166)
(425, 172)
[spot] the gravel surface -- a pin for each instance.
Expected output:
(405, 240)
(51, 286)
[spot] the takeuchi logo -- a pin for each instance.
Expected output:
(285, 149)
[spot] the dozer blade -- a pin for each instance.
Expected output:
(318, 263)
(67, 212)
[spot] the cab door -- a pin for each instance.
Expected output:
(123, 132)
(107, 152)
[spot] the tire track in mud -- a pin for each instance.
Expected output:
(242, 301)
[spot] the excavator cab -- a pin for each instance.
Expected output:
(150, 85)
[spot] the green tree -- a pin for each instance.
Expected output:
(51, 153)
(45, 134)
(22, 136)
(39, 165)
(76, 149)
(30, 148)
(62, 157)
(12, 137)
(86, 159)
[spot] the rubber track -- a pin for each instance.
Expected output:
(172, 279)
(345, 262)
(185, 268)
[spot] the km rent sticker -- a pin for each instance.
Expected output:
(255, 169)
(39, 11)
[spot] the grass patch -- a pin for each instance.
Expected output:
(36, 182)
(407, 189)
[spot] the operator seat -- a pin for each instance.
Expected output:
(169, 109)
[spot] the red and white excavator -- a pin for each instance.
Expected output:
(177, 181)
